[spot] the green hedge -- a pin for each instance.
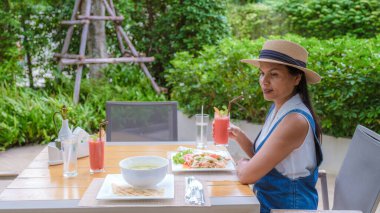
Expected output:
(333, 18)
(253, 21)
(313, 18)
(27, 115)
(348, 94)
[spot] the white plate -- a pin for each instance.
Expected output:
(179, 167)
(105, 192)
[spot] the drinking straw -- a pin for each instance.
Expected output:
(233, 101)
(202, 123)
(103, 123)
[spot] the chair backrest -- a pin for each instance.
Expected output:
(357, 186)
(141, 121)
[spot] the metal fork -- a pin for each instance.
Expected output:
(189, 192)
(194, 191)
(199, 192)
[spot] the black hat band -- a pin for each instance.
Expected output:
(271, 54)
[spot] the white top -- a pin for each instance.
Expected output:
(302, 161)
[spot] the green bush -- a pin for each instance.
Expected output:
(348, 94)
(27, 115)
(333, 18)
(215, 77)
(255, 21)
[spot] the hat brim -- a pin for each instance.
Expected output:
(311, 76)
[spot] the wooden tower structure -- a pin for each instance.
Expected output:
(128, 55)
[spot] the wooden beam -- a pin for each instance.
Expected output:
(102, 18)
(119, 38)
(129, 43)
(78, 78)
(82, 51)
(108, 8)
(142, 65)
(80, 60)
(120, 30)
(149, 76)
(69, 33)
(112, 7)
(73, 56)
(74, 22)
(132, 48)
(106, 60)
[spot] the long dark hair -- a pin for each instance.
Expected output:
(302, 90)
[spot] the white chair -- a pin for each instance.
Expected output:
(357, 186)
(141, 121)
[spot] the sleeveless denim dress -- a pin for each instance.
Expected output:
(276, 191)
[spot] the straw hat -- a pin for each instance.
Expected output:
(286, 53)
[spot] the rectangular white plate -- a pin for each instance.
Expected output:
(105, 192)
(179, 167)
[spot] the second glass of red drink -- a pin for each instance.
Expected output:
(96, 148)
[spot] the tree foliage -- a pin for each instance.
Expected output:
(162, 28)
(34, 34)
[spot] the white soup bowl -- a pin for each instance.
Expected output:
(144, 171)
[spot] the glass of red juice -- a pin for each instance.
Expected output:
(221, 124)
(96, 148)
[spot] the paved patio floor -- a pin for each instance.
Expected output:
(16, 159)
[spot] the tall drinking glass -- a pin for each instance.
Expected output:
(69, 155)
(201, 121)
(96, 148)
(221, 124)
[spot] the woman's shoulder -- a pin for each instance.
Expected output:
(295, 104)
(297, 116)
(296, 120)
(294, 129)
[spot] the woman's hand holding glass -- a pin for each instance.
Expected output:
(234, 132)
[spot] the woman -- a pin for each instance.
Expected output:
(286, 154)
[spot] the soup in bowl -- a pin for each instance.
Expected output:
(144, 171)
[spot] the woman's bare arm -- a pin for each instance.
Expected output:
(289, 135)
(241, 138)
